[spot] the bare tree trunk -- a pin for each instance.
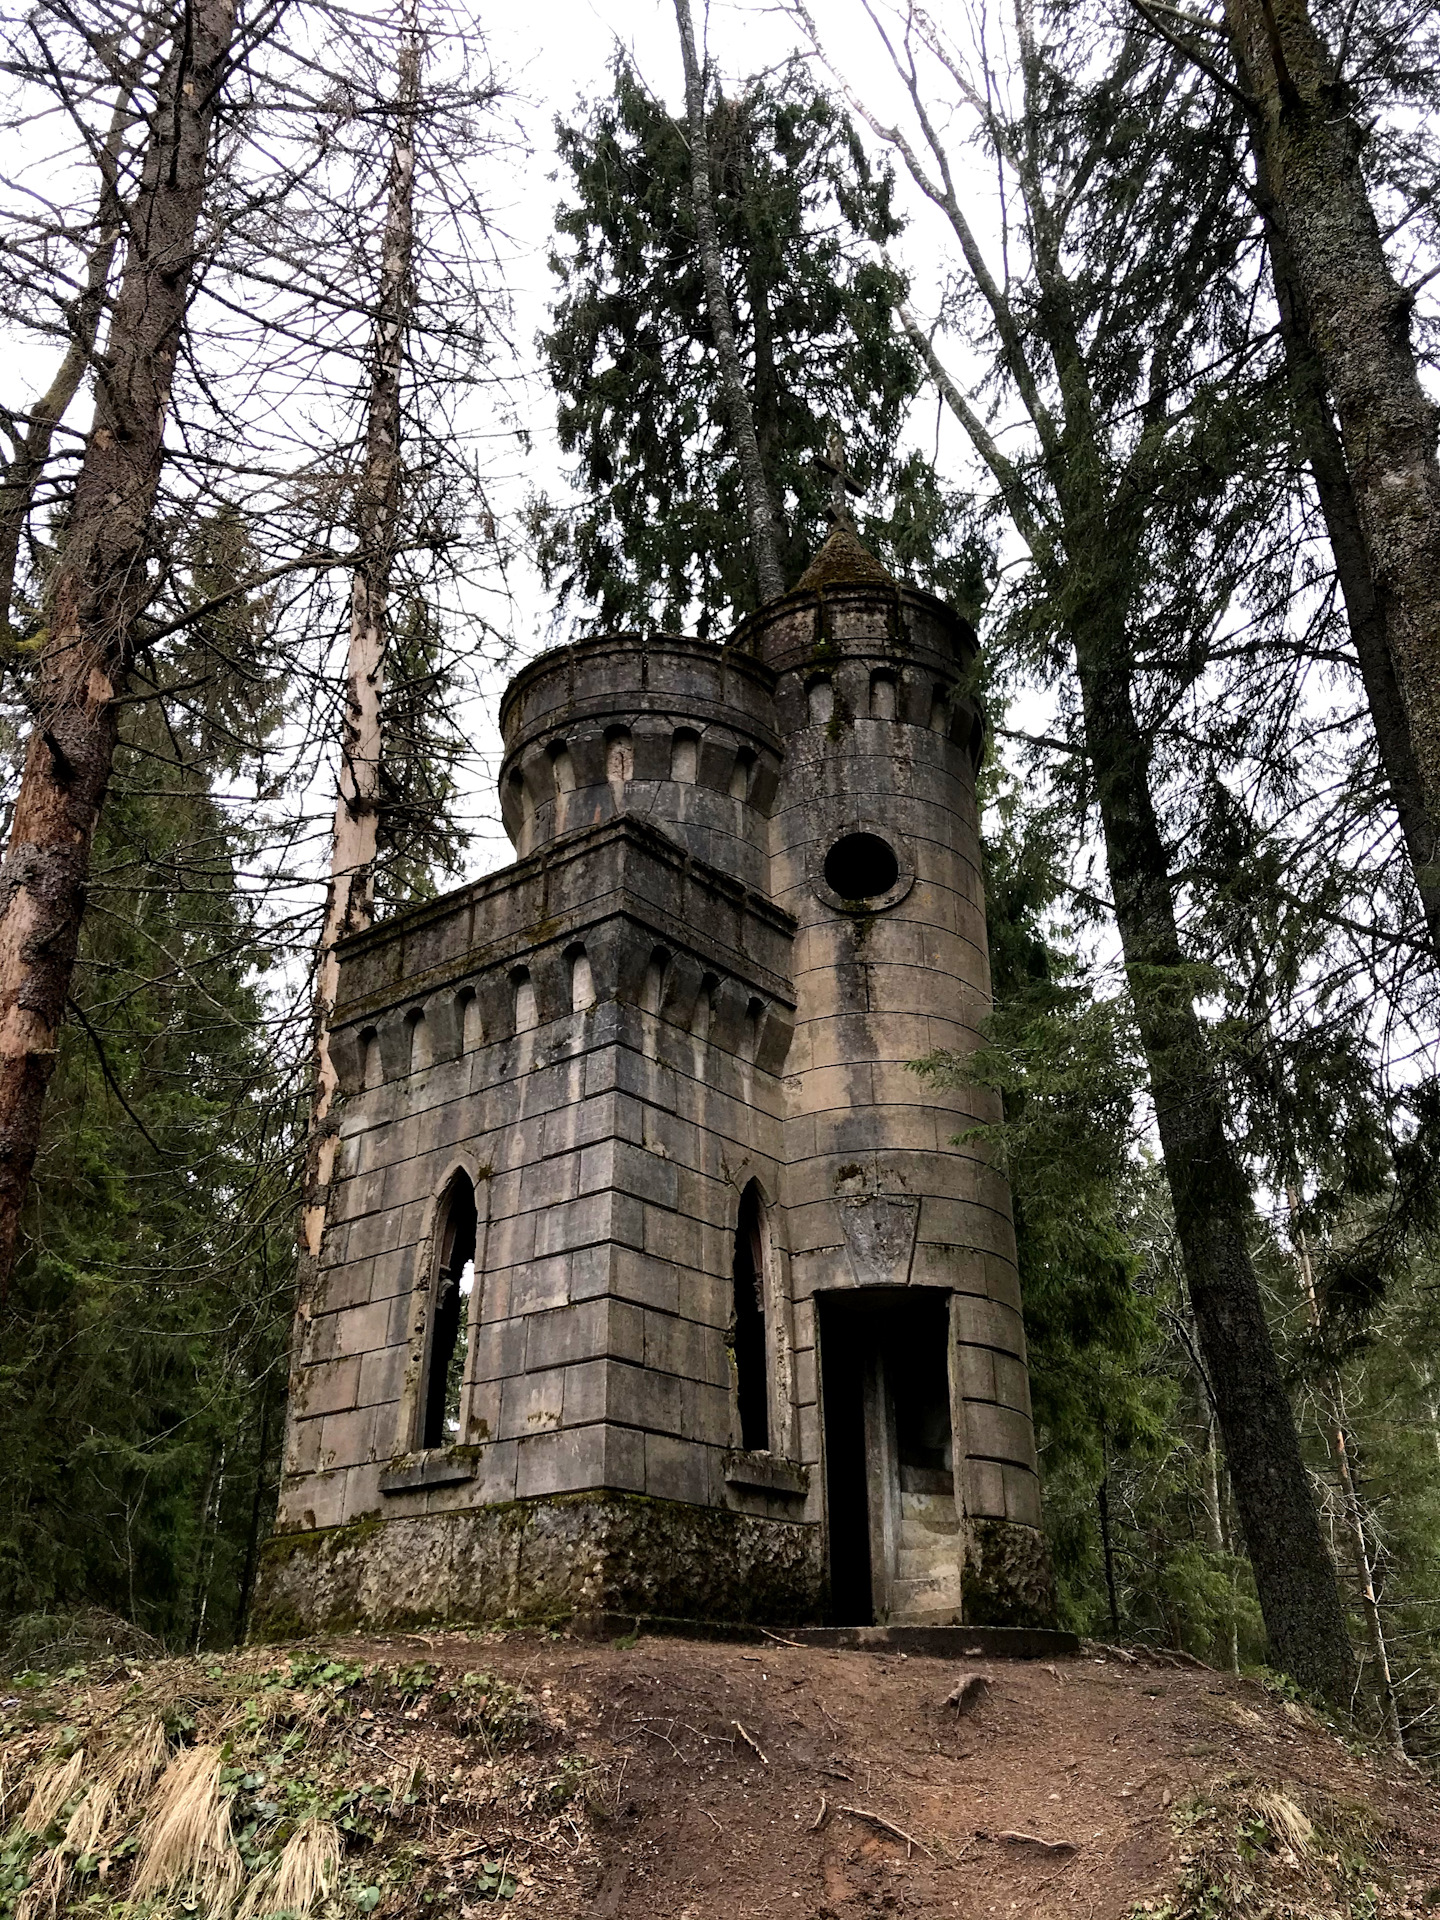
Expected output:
(1432, 1405)
(1364, 612)
(99, 588)
(257, 1507)
(1354, 1519)
(1102, 1503)
(1356, 319)
(759, 507)
(1215, 1517)
(209, 1533)
(350, 897)
(31, 454)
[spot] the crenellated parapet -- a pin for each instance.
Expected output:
(614, 918)
(680, 732)
(846, 654)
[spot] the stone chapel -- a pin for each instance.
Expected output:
(657, 1282)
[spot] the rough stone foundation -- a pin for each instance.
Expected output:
(1008, 1580)
(540, 1560)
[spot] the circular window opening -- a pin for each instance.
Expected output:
(861, 866)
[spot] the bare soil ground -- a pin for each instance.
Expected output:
(694, 1780)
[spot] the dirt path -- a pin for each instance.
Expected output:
(743, 1782)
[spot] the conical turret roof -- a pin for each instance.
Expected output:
(843, 561)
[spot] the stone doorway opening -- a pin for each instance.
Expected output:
(893, 1528)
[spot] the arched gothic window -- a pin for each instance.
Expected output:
(526, 1013)
(752, 1385)
(449, 1330)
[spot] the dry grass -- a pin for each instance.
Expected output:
(54, 1786)
(186, 1843)
(44, 1891)
(130, 1772)
(1285, 1819)
(304, 1875)
(89, 1821)
(52, 1871)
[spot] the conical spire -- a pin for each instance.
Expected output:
(843, 561)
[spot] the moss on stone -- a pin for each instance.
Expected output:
(543, 1560)
(1008, 1581)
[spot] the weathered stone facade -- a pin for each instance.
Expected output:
(655, 1279)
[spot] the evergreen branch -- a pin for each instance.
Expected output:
(111, 1081)
(1196, 57)
(1043, 740)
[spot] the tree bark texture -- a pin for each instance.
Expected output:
(1356, 319)
(759, 507)
(350, 896)
(1364, 612)
(98, 590)
(83, 315)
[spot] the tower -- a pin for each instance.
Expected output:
(656, 1280)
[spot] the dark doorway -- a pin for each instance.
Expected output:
(752, 1385)
(842, 1351)
(449, 1318)
(886, 1393)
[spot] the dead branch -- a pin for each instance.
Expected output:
(967, 1693)
(1012, 1838)
(879, 1820)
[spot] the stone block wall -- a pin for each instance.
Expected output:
(607, 1142)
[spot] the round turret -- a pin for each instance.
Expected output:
(680, 731)
(890, 1208)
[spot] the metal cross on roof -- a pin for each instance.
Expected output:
(842, 481)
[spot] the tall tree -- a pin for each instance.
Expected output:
(659, 530)
(759, 507)
(1355, 319)
(1313, 135)
(1099, 338)
(350, 899)
(1365, 609)
(142, 1348)
(99, 589)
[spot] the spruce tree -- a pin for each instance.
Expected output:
(142, 1347)
(660, 534)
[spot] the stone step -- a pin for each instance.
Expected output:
(917, 1601)
(927, 1563)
